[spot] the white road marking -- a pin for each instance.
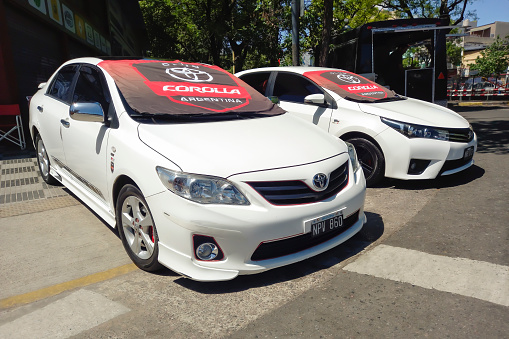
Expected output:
(64, 318)
(472, 278)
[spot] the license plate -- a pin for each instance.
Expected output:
(468, 153)
(327, 223)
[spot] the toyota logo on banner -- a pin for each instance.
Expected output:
(320, 181)
(349, 78)
(189, 74)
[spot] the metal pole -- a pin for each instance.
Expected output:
(434, 66)
(295, 32)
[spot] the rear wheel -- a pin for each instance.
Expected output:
(371, 159)
(136, 229)
(44, 162)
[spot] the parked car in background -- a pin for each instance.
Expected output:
(197, 170)
(395, 136)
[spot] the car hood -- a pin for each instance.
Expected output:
(230, 147)
(416, 112)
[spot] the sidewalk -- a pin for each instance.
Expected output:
(465, 103)
(21, 182)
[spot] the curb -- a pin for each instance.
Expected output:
(479, 103)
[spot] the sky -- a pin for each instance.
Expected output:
(489, 11)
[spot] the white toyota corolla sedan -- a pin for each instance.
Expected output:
(197, 170)
(395, 136)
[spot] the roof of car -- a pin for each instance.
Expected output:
(344, 83)
(294, 69)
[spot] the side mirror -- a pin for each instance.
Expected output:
(87, 111)
(275, 100)
(41, 85)
(315, 99)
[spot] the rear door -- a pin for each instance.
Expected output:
(53, 108)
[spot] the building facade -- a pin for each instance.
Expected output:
(481, 37)
(37, 36)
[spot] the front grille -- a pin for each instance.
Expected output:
(460, 134)
(279, 248)
(295, 192)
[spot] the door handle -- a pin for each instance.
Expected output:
(40, 109)
(65, 123)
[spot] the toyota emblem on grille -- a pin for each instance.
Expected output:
(470, 135)
(320, 181)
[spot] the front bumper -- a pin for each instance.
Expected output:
(240, 230)
(445, 157)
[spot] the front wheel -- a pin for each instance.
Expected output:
(136, 229)
(371, 159)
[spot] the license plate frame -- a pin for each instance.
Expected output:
(325, 224)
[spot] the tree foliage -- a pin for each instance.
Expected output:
(346, 14)
(237, 34)
(494, 59)
(454, 52)
(221, 32)
(454, 9)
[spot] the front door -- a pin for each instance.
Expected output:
(85, 142)
(291, 89)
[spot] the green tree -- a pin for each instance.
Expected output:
(315, 32)
(454, 52)
(221, 32)
(494, 59)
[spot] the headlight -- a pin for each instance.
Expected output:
(353, 157)
(201, 188)
(417, 131)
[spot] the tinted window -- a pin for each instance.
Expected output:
(61, 84)
(291, 87)
(258, 81)
(89, 88)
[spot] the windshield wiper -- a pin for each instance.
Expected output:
(396, 98)
(206, 117)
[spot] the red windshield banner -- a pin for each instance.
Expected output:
(348, 84)
(175, 87)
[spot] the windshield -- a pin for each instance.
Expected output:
(352, 86)
(154, 88)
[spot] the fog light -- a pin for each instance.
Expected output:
(206, 248)
(417, 166)
(207, 251)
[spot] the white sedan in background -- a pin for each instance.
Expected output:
(395, 136)
(197, 171)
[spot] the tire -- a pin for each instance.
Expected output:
(136, 229)
(371, 159)
(43, 162)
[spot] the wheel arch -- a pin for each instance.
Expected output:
(35, 132)
(120, 182)
(351, 135)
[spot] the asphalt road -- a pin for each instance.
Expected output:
(433, 261)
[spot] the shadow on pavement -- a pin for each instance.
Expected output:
(492, 136)
(10, 151)
(462, 178)
(489, 107)
(371, 231)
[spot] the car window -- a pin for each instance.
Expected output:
(258, 81)
(292, 87)
(89, 87)
(61, 84)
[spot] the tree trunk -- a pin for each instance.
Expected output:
(326, 33)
